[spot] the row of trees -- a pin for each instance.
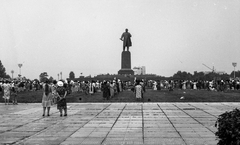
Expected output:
(203, 76)
(43, 76)
(180, 75)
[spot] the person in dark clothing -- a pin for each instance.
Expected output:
(105, 90)
(61, 100)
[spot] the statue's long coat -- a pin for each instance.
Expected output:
(126, 37)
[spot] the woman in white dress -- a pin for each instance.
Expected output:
(47, 98)
(184, 85)
(7, 91)
(111, 86)
(155, 85)
(91, 88)
(195, 85)
(120, 85)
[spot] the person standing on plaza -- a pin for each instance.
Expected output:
(155, 85)
(120, 85)
(54, 92)
(14, 93)
(142, 83)
(194, 85)
(138, 91)
(126, 38)
(105, 90)
(61, 100)
(115, 87)
(6, 91)
(111, 86)
(184, 85)
(47, 98)
(91, 87)
(85, 87)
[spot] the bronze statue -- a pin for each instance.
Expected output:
(126, 38)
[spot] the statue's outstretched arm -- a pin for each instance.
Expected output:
(121, 37)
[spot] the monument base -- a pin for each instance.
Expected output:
(126, 72)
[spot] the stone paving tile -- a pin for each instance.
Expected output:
(200, 141)
(117, 141)
(9, 140)
(92, 141)
(43, 141)
(164, 141)
(113, 123)
(73, 141)
(11, 134)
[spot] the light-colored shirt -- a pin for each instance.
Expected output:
(138, 91)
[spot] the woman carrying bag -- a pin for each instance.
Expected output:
(61, 99)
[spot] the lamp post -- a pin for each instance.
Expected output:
(58, 76)
(20, 65)
(234, 65)
(12, 73)
(61, 75)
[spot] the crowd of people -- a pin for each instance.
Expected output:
(55, 92)
(9, 89)
(211, 85)
(110, 88)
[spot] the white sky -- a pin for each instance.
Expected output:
(83, 35)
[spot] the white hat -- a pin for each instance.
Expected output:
(182, 98)
(60, 83)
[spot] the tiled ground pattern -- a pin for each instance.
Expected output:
(113, 124)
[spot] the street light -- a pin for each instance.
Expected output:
(234, 65)
(12, 71)
(61, 75)
(20, 65)
(58, 77)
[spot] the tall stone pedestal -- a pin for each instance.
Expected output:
(126, 64)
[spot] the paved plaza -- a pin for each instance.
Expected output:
(113, 124)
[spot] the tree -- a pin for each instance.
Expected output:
(43, 77)
(71, 75)
(237, 74)
(198, 75)
(51, 79)
(3, 71)
(182, 75)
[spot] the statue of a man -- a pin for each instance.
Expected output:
(126, 38)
